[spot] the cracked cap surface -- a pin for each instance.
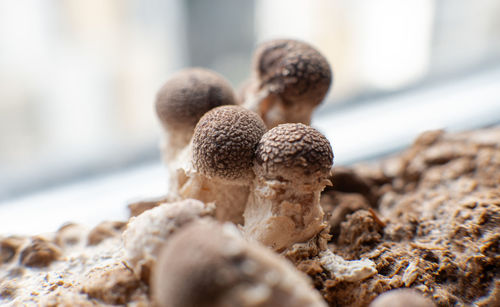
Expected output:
(189, 94)
(293, 149)
(293, 70)
(224, 142)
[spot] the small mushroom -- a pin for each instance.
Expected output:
(145, 234)
(402, 298)
(210, 265)
(222, 154)
(292, 164)
(289, 79)
(180, 103)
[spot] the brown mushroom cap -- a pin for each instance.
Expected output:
(189, 94)
(293, 150)
(206, 264)
(402, 298)
(224, 143)
(293, 70)
(193, 269)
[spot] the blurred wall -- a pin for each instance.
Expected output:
(77, 84)
(78, 78)
(221, 36)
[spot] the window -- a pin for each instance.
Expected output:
(78, 78)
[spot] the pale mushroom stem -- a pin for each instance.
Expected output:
(226, 196)
(280, 213)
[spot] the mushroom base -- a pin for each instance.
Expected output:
(279, 214)
(229, 198)
(274, 111)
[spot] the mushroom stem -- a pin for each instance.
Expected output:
(229, 198)
(172, 144)
(280, 213)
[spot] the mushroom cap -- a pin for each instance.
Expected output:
(290, 150)
(209, 264)
(224, 143)
(189, 94)
(402, 298)
(294, 70)
(191, 267)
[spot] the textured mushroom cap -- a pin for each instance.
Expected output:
(293, 70)
(293, 150)
(189, 94)
(224, 143)
(402, 298)
(208, 264)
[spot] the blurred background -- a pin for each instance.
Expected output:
(78, 78)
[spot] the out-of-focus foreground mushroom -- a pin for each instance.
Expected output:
(289, 79)
(146, 233)
(222, 154)
(180, 103)
(209, 265)
(402, 298)
(292, 164)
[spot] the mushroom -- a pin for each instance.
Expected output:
(292, 164)
(402, 298)
(289, 79)
(222, 154)
(210, 265)
(180, 103)
(145, 234)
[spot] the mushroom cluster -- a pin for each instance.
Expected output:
(244, 187)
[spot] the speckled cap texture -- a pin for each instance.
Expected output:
(293, 149)
(293, 70)
(189, 94)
